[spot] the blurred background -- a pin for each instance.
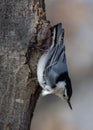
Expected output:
(52, 113)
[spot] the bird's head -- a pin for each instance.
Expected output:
(64, 89)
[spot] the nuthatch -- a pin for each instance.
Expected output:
(52, 71)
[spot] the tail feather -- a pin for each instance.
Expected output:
(57, 47)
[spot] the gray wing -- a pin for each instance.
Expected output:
(56, 64)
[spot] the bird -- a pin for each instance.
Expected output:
(52, 70)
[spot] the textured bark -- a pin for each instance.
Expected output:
(19, 90)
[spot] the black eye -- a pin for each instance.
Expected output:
(63, 95)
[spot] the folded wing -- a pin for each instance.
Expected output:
(56, 64)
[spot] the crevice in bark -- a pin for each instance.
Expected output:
(35, 47)
(32, 104)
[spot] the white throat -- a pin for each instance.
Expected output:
(61, 85)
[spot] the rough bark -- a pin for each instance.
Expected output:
(19, 90)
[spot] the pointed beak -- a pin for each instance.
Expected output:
(69, 104)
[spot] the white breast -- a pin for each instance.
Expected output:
(40, 70)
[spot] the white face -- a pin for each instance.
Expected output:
(61, 90)
(62, 94)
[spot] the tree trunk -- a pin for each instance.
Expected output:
(19, 90)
